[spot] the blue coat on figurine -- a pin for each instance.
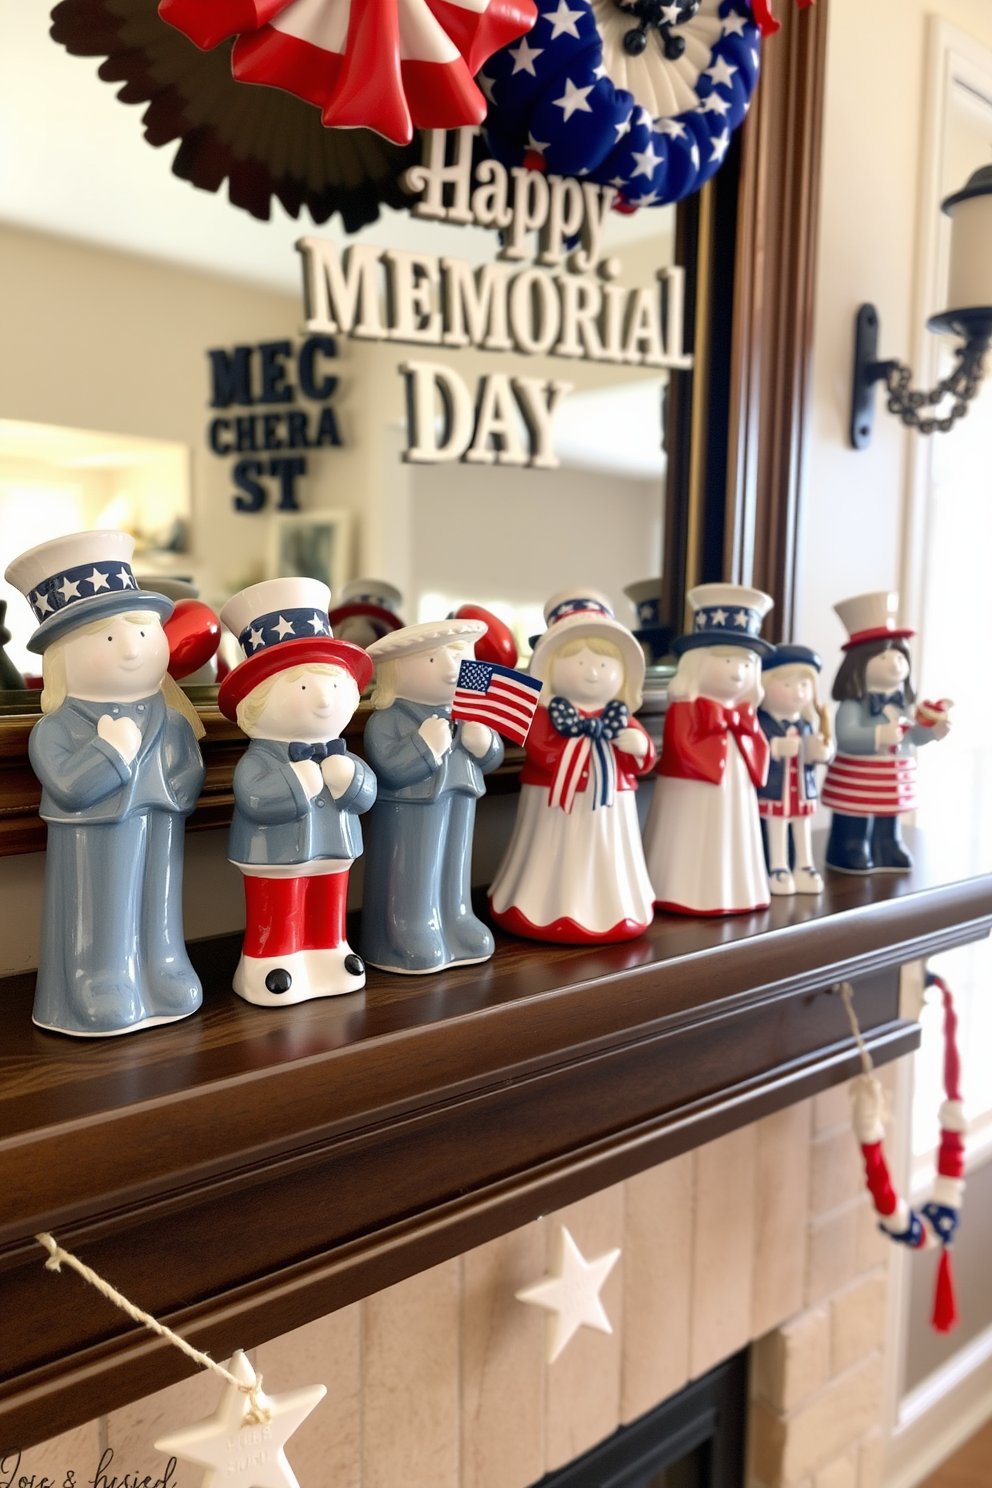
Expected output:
(276, 822)
(417, 912)
(120, 770)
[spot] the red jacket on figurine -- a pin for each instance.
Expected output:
(545, 747)
(702, 839)
(696, 741)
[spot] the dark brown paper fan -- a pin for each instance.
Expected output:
(264, 142)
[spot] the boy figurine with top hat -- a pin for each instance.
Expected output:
(703, 834)
(417, 908)
(872, 778)
(120, 771)
(798, 732)
(298, 793)
(574, 871)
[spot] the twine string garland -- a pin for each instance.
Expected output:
(847, 995)
(256, 1413)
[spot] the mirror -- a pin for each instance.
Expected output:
(129, 279)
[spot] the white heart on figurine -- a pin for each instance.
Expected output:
(123, 734)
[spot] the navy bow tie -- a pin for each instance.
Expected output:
(567, 720)
(879, 701)
(316, 752)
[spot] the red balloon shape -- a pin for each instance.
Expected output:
(194, 636)
(497, 645)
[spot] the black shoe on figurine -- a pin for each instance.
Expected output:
(888, 848)
(848, 849)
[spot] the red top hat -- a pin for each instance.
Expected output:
(283, 623)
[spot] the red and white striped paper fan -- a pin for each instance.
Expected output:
(388, 65)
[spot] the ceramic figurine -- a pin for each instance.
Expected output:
(10, 677)
(703, 834)
(417, 911)
(366, 610)
(120, 770)
(798, 732)
(872, 778)
(645, 599)
(298, 793)
(574, 871)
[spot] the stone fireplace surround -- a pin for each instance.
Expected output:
(763, 1236)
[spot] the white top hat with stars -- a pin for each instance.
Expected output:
(573, 614)
(72, 580)
(726, 615)
(278, 610)
(282, 623)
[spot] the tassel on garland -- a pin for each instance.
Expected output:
(940, 1216)
(767, 24)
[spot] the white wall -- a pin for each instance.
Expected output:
(872, 157)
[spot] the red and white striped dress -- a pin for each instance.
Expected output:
(870, 784)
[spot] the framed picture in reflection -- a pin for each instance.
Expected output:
(311, 545)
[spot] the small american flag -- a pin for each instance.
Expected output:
(498, 696)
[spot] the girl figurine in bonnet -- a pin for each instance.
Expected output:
(120, 771)
(574, 871)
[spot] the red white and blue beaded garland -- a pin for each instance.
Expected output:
(937, 1221)
(639, 95)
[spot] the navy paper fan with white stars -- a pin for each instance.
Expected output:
(654, 127)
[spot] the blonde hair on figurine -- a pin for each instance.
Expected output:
(684, 686)
(811, 711)
(387, 679)
(56, 688)
(387, 676)
(251, 707)
(600, 646)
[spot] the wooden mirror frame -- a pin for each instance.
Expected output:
(736, 423)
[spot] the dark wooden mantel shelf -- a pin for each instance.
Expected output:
(248, 1170)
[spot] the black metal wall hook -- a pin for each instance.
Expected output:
(960, 385)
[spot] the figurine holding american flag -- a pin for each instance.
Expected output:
(417, 912)
(574, 871)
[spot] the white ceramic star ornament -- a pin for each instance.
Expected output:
(239, 1453)
(570, 1293)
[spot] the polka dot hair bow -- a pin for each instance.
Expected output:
(639, 95)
